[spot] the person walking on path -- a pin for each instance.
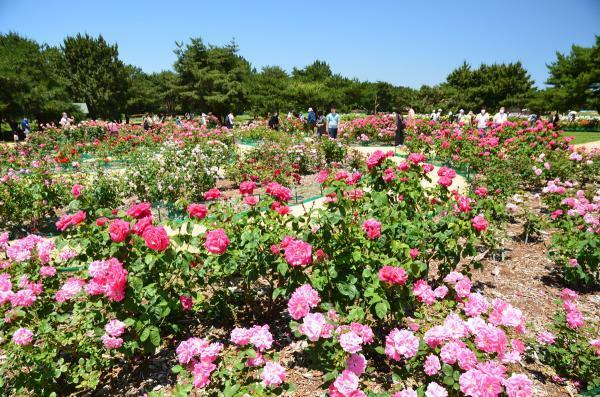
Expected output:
(333, 120)
(399, 141)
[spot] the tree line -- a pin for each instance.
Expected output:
(40, 81)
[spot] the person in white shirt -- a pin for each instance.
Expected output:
(500, 117)
(482, 119)
(203, 120)
(230, 121)
(460, 117)
(438, 115)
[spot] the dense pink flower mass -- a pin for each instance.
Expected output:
(377, 158)
(69, 289)
(247, 187)
(141, 225)
(302, 300)
(197, 211)
(518, 385)
(273, 374)
(111, 342)
(118, 230)
(70, 220)
(140, 210)
(401, 343)
(259, 336)
(372, 227)
(212, 194)
(109, 278)
(156, 238)
(278, 191)
(216, 241)
(298, 253)
(115, 328)
(22, 337)
(393, 275)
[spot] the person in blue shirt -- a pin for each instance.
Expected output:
(333, 120)
(25, 127)
(312, 120)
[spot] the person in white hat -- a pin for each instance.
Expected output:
(311, 119)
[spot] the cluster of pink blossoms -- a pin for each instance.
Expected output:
(377, 158)
(302, 300)
(114, 329)
(70, 220)
(278, 191)
(446, 176)
(198, 355)
(258, 336)
(109, 278)
(574, 316)
(372, 227)
(140, 210)
(28, 248)
(424, 293)
(22, 337)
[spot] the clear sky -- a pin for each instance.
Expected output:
(405, 43)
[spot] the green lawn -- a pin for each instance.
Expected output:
(583, 136)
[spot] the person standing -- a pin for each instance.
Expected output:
(274, 121)
(500, 117)
(333, 121)
(203, 120)
(482, 119)
(65, 121)
(321, 122)
(471, 118)
(311, 118)
(410, 118)
(147, 122)
(460, 117)
(555, 120)
(399, 141)
(230, 121)
(25, 127)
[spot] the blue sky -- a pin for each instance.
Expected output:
(405, 43)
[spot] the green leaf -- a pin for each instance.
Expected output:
(381, 309)
(145, 334)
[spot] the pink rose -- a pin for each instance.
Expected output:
(118, 230)
(197, 211)
(156, 238)
(216, 241)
